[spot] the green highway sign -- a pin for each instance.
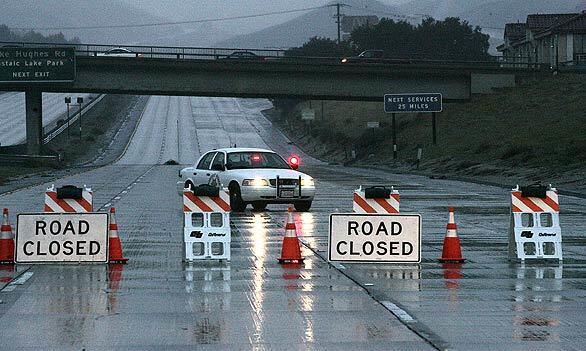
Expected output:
(37, 65)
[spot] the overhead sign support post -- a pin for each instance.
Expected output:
(413, 103)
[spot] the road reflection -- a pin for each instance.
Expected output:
(114, 278)
(536, 303)
(259, 250)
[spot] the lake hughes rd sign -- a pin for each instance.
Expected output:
(381, 238)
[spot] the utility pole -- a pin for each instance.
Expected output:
(338, 16)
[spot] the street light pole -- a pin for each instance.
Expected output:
(68, 101)
(80, 103)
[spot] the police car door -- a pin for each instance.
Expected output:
(202, 173)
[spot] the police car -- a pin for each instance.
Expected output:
(253, 176)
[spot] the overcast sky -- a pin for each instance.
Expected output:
(200, 9)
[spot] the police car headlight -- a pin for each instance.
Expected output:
(256, 182)
(308, 182)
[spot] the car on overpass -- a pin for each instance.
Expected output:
(244, 55)
(119, 52)
(372, 56)
(253, 176)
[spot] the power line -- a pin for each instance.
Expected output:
(158, 24)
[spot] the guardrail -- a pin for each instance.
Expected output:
(67, 123)
(20, 159)
(270, 55)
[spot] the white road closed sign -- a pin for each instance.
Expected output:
(61, 237)
(375, 238)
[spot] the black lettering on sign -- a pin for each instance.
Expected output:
(69, 227)
(39, 252)
(381, 248)
(394, 246)
(352, 252)
(26, 252)
(352, 226)
(338, 248)
(84, 227)
(382, 228)
(396, 228)
(54, 248)
(55, 227)
(68, 248)
(366, 228)
(407, 245)
(81, 248)
(40, 225)
(94, 248)
(368, 248)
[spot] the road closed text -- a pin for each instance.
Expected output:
(66, 237)
(375, 238)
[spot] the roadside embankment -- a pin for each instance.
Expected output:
(114, 116)
(532, 133)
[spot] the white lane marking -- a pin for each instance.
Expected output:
(337, 265)
(107, 205)
(124, 191)
(397, 311)
(117, 198)
(20, 281)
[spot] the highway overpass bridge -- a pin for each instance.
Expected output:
(177, 72)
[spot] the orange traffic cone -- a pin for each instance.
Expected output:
(452, 251)
(290, 251)
(114, 241)
(6, 240)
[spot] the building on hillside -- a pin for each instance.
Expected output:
(349, 23)
(552, 39)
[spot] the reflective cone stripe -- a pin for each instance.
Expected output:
(451, 227)
(192, 203)
(53, 204)
(115, 246)
(6, 240)
(534, 204)
(451, 251)
(290, 251)
(363, 205)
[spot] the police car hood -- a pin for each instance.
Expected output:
(265, 173)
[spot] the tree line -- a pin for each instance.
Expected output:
(450, 39)
(8, 35)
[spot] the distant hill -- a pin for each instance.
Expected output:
(68, 13)
(319, 22)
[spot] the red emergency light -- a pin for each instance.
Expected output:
(294, 161)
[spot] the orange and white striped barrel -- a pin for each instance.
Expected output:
(81, 205)
(381, 205)
(193, 203)
(520, 204)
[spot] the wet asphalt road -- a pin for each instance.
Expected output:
(157, 302)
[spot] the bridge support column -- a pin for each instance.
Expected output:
(34, 121)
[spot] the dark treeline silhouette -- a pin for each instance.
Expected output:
(8, 35)
(450, 39)
(322, 47)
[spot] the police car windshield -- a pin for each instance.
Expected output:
(251, 159)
